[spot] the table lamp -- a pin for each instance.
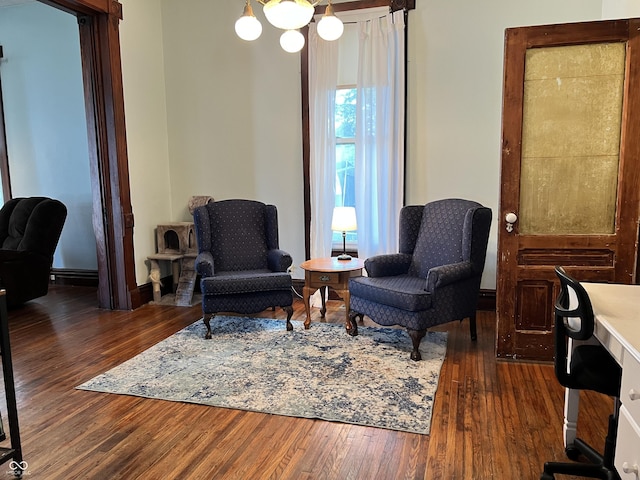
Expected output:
(344, 220)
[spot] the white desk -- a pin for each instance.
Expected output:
(616, 309)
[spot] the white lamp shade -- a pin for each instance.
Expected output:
(248, 27)
(330, 27)
(344, 219)
(292, 41)
(288, 14)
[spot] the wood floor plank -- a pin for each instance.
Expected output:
(491, 419)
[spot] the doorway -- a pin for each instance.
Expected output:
(42, 103)
(98, 23)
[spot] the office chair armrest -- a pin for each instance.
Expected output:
(278, 260)
(445, 274)
(204, 264)
(388, 265)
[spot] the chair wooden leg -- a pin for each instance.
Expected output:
(289, 310)
(416, 338)
(473, 327)
(353, 323)
(323, 296)
(207, 322)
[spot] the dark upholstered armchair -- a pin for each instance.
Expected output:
(29, 232)
(241, 266)
(434, 279)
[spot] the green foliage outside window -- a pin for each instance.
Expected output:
(345, 126)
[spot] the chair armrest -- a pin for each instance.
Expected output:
(445, 274)
(204, 264)
(387, 265)
(17, 266)
(278, 260)
(12, 255)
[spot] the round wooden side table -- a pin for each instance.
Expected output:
(320, 273)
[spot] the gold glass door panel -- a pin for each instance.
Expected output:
(572, 114)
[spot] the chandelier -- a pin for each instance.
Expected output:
(290, 16)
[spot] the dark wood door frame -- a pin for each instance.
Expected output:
(4, 159)
(104, 103)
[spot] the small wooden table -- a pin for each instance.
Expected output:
(321, 273)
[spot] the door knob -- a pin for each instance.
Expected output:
(510, 218)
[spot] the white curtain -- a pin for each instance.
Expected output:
(323, 80)
(380, 122)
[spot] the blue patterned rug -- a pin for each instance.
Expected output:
(255, 364)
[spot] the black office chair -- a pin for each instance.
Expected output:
(591, 368)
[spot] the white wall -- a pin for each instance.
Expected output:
(234, 109)
(45, 120)
(209, 114)
(234, 115)
(455, 96)
(613, 9)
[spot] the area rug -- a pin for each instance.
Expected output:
(323, 373)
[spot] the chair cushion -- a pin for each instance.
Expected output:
(441, 237)
(235, 232)
(227, 283)
(32, 224)
(406, 292)
(18, 223)
(593, 368)
(29, 232)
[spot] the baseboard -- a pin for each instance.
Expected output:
(487, 300)
(145, 291)
(298, 284)
(74, 277)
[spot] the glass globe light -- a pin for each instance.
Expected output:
(292, 41)
(288, 14)
(248, 27)
(330, 27)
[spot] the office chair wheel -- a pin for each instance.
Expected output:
(546, 476)
(573, 453)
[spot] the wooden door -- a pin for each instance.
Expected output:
(570, 171)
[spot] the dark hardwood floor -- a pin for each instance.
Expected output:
(491, 419)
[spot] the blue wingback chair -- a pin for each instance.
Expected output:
(435, 277)
(241, 267)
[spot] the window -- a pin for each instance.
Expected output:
(355, 130)
(345, 124)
